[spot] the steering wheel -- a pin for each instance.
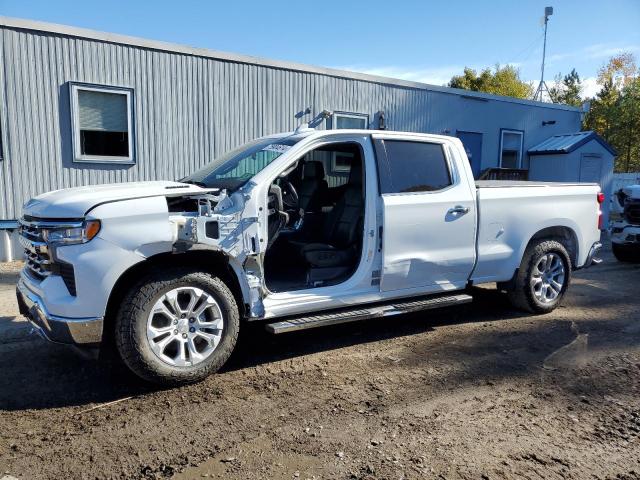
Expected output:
(290, 197)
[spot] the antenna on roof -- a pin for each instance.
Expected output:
(542, 86)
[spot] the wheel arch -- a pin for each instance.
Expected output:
(562, 234)
(210, 261)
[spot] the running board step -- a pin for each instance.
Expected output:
(355, 314)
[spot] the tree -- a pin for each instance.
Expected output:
(567, 89)
(503, 81)
(620, 70)
(629, 121)
(615, 110)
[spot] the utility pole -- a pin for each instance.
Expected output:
(542, 86)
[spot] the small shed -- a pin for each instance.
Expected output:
(575, 157)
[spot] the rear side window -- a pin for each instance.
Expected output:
(414, 167)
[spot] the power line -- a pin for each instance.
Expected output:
(529, 48)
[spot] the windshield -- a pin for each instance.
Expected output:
(235, 168)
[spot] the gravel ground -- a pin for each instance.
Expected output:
(477, 391)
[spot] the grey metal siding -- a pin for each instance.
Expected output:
(190, 108)
(566, 167)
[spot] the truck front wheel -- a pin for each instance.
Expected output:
(543, 277)
(177, 326)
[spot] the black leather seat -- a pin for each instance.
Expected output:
(313, 186)
(342, 230)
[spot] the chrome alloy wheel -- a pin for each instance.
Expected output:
(184, 326)
(548, 278)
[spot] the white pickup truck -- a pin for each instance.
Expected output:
(296, 230)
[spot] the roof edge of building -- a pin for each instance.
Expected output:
(36, 25)
(586, 136)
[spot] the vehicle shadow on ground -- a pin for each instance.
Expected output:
(38, 375)
(257, 348)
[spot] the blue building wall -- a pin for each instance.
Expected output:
(192, 104)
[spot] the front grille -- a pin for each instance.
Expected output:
(37, 259)
(632, 211)
(39, 263)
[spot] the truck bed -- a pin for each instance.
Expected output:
(510, 211)
(526, 183)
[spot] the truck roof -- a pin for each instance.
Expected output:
(303, 131)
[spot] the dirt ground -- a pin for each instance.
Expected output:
(475, 392)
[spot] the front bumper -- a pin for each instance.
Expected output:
(75, 331)
(625, 233)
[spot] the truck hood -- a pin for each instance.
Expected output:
(76, 202)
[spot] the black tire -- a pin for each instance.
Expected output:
(625, 253)
(131, 327)
(522, 294)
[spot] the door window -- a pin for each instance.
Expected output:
(414, 167)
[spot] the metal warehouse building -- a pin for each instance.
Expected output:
(80, 107)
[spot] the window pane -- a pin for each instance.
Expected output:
(102, 111)
(415, 167)
(511, 154)
(248, 166)
(509, 159)
(342, 162)
(350, 122)
(110, 144)
(234, 168)
(103, 123)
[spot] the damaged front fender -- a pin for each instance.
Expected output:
(226, 223)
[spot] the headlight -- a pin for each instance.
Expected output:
(71, 236)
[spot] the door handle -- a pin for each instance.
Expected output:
(458, 210)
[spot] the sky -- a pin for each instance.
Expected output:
(425, 41)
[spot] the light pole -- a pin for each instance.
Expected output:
(542, 86)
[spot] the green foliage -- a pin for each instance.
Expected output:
(615, 110)
(567, 90)
(503, 81)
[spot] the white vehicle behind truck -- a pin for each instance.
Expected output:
(296, 230)
(625, 227)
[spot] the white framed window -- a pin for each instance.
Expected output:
(102, 124)
(511, 142)
(340, 121)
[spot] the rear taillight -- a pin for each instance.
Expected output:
(600, 199)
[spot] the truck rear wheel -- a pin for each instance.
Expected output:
(625, 253)
(177, 326)
(543, 277)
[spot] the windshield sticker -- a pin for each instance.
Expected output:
(276, 147)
